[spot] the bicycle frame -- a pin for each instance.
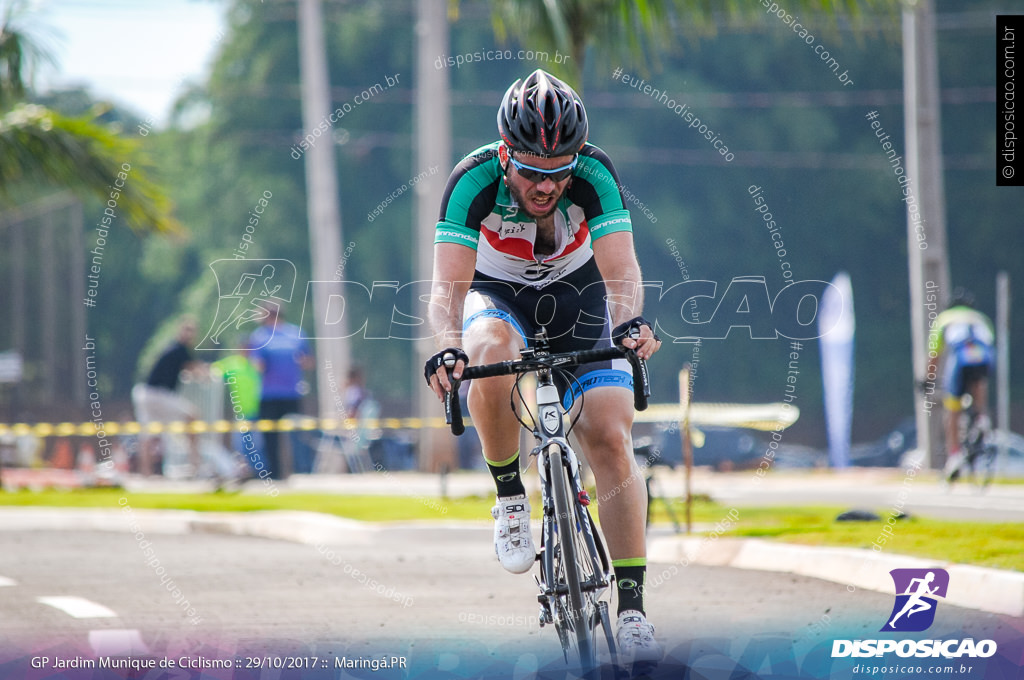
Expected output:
(979, 453)
(558, 462)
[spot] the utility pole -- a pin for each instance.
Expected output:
(76, 267)
(332, 347)
(1003, 352)
(49, 286)
(926, 232)
(433, 148)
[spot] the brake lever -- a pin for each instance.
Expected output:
(452, 405)
(641, 378)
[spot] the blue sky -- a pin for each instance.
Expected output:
(136, 53)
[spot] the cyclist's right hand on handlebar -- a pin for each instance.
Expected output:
(637, 334)
(437, 368)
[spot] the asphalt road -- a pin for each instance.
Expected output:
(434, 596)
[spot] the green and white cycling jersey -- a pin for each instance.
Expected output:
(478, 211)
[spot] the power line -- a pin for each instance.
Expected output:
(632, 100)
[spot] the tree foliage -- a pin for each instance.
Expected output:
(795, 131)
(641, 35)
(40, 145)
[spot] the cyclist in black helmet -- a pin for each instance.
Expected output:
(533, 232)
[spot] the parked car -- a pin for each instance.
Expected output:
(886, 451)
(718, 447)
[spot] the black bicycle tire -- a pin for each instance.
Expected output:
(979, 454)
(566, 518)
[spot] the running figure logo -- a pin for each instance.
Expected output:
(255, 286)
(916, 590)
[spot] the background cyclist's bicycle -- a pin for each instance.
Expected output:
(977, 462)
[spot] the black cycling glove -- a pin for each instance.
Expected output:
(625, 329)
(437, 361)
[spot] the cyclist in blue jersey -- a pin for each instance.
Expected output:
(533, 231)
(967, 338)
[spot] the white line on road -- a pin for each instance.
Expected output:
(117, 643)
(4, 581)
(78, 607)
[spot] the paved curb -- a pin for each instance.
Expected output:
(991, 590)
(286, 525)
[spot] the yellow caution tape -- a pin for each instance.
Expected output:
(218, 426)
(765, 417)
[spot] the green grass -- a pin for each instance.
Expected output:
(364, 508)
(996, 545)
(990, 544)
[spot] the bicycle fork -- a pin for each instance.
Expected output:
(556, 454)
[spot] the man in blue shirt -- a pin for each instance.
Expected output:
(281, 354)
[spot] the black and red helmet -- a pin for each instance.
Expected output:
(543, 116)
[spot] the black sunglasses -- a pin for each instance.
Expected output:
(538, 175)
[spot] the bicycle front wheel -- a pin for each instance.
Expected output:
(576, 605)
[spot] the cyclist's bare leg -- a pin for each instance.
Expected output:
(147, 454)
(604, 434)
(979, 395)
(489, 341)
(952, 426)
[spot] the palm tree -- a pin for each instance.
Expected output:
(38, 145)
(637, 31)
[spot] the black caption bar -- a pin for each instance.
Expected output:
(1008, 163)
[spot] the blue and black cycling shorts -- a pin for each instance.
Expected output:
(967, 363)
(574, 312)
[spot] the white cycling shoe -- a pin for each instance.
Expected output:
(513, 542)
(635, 638)
(954, 463)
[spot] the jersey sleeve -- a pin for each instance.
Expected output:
(469, 197)
(596, 188)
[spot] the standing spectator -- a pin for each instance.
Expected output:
(243, 383)
(281, 354)
(157, 400)
(354, 393)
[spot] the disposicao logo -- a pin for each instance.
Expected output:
(913, 612)
(916, 593)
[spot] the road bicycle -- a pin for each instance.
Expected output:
(979, 453)
(575, 570)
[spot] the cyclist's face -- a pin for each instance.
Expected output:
(537, 199)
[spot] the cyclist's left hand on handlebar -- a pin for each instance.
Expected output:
(637, 334)
(436, 373)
